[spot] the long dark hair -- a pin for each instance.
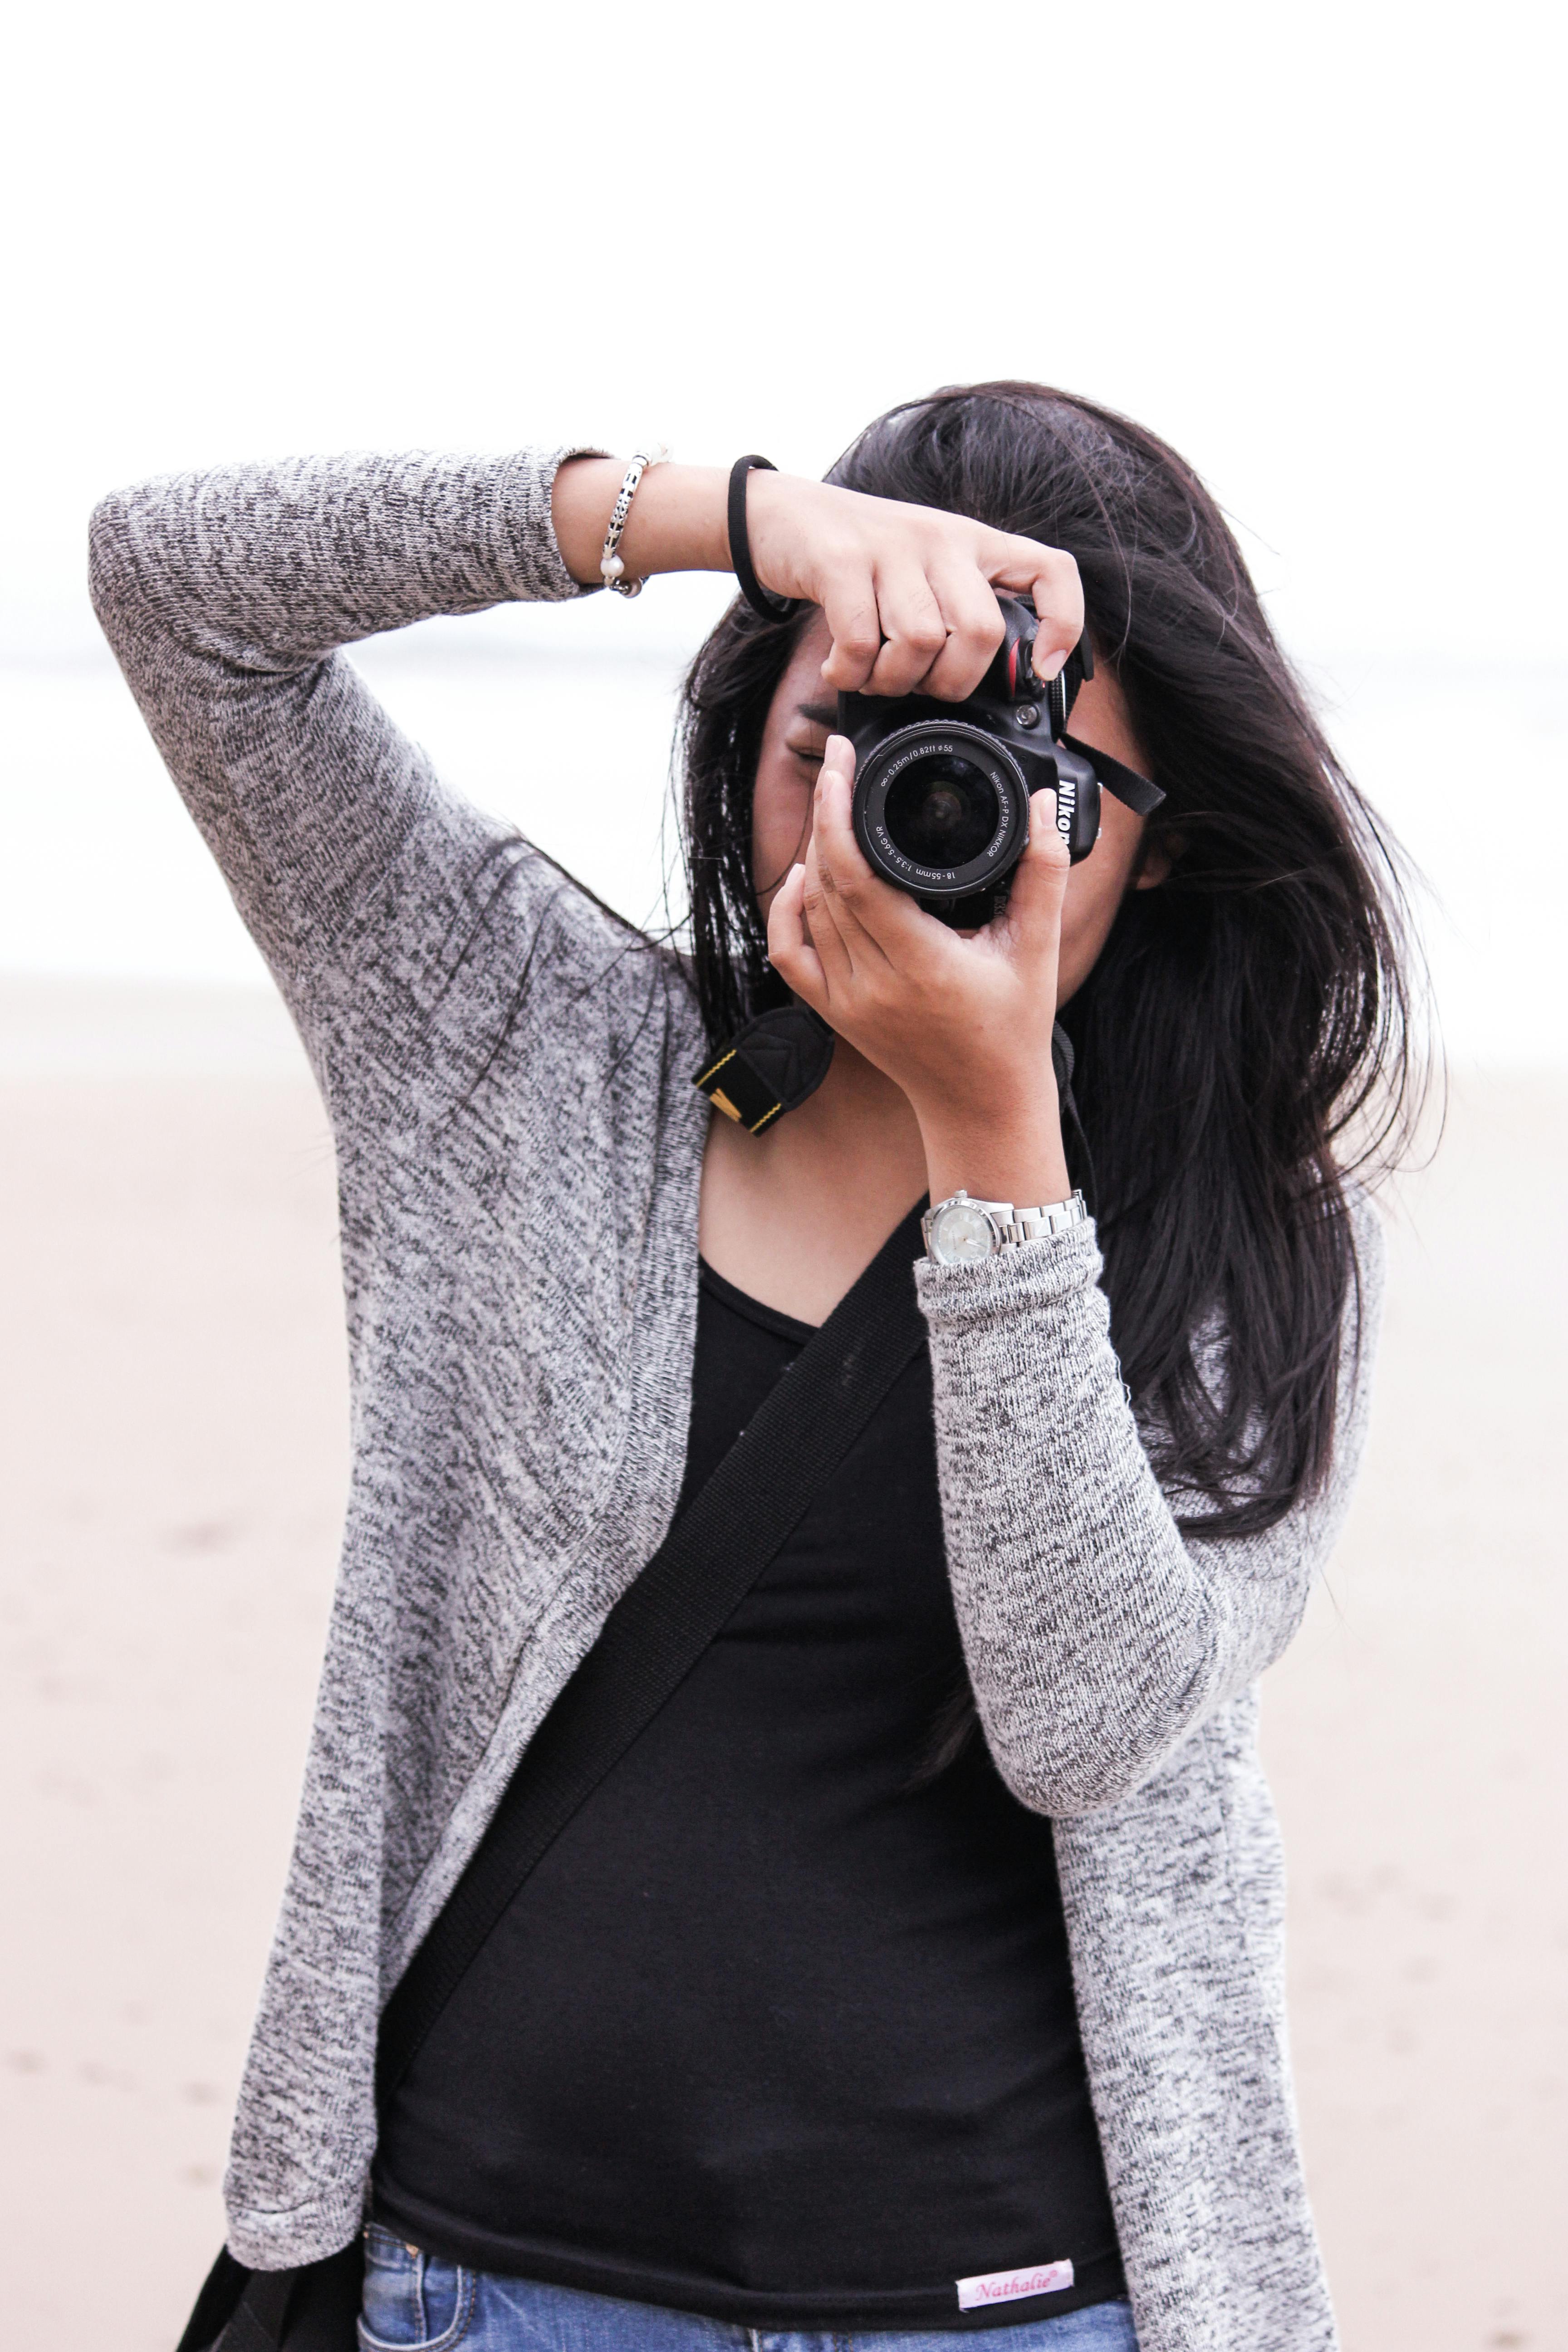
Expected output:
(1244, 1044)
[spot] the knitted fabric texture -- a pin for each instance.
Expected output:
(519, 1150)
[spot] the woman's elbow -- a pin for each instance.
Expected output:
(112, 578)
(1077, 1758)
(1078, 1778)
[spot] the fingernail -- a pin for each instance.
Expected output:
(1052, 667)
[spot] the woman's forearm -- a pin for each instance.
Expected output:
(268, 567)
(677, 521)
(1097, 1634)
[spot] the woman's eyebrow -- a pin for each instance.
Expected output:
(818, 714)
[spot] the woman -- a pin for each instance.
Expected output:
(824, 2020)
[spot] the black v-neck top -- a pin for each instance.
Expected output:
(781, 2028)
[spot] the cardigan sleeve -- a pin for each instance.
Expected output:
(1097, 1636)
(226, 596)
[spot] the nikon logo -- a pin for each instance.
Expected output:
(1066, 802)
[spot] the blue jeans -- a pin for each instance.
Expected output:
(416, 2300)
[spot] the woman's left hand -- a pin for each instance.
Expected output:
(962, 1023)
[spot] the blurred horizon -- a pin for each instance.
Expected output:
(561, 719)
(1313, 250)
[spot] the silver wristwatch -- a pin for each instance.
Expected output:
(961, 1232)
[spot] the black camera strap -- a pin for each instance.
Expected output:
(770, 1067)
(1134, 791)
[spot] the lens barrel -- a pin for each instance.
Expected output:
(941, 810)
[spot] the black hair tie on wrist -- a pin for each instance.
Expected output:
(760, 600)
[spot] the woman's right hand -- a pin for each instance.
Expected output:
(908, 592)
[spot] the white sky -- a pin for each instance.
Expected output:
(1318, 248)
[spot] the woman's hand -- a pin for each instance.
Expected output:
(908, 591)
(962, 1023)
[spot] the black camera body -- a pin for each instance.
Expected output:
(942, 789)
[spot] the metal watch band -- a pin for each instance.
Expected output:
(1055, 1217)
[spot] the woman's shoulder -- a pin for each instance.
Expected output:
(486, 964)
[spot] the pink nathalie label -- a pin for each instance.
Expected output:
(1011, 2286)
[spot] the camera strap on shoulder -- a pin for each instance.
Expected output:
(712, 1555)
(770, 1067)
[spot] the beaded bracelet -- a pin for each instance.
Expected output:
(612, 571)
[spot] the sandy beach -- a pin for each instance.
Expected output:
(173, 1415)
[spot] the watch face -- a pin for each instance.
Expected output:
(961, 1235)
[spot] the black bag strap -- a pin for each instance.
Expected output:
(656, 1632)
(314, 2308)
(709, 1562)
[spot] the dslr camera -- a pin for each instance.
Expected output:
(942, 789)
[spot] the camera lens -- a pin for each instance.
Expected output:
(941, 810)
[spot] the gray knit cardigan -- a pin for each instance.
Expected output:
(519, 1146)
